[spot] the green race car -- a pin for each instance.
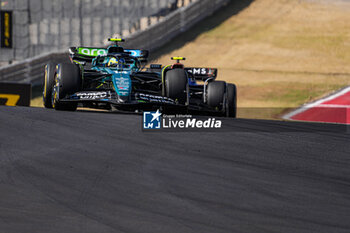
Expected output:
(115, 77)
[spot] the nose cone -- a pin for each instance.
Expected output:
(123, 99)
(122, 84)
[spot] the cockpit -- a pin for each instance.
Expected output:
(115, 62)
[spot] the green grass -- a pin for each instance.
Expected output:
(294, 94)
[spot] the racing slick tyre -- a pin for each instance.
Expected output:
(50, 70)
(176, 85)
(231, 100)
(67, 82)
(216, 94)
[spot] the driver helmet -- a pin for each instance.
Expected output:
(115, 62)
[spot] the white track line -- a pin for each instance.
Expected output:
(318, 102)
(333, 106)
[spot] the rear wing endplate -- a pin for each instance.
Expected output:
(202, 73)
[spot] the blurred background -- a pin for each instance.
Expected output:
(280, 53)
(41, 26)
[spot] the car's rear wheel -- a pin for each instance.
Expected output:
(231, 100)
(216, 94)
(67, 82)
(48, 84)
(176, 85)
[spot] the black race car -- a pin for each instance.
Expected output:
(115, 77)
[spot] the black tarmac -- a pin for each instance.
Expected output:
(94, 172)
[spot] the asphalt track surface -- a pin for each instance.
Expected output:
(98, 172)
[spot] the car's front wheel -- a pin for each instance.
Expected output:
(49, 79)
(216, 94)
(67, 81)
(176, 85)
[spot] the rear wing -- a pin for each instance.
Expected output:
(87, 54)
(202, 73)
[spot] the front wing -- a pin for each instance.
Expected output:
(136, 101)
(113, 99)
